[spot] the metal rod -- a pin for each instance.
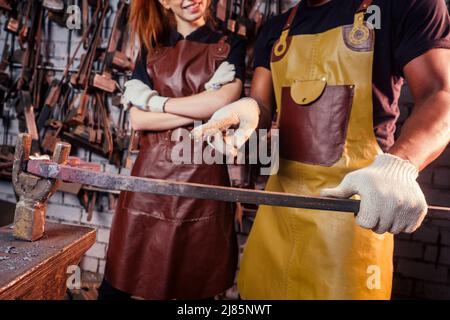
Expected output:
(48, 169)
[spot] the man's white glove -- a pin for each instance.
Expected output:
(244, 112)
(141, 96)
(224, 74)
(391, 199)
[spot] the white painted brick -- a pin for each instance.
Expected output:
(69, 223)
(71, 200)
(99, 219)
(13, 126)
(101, 266)
(6, 188)
(69, 214)
(98, 250)
(103, 235)
(109, 168)
(125, 172)
(81, 153)
(89, 264)
(12, 139)
(60, 53)
(59, 34)
(98, 158)
(57, 198)
(8, 197)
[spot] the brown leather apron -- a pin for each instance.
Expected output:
(165, 247)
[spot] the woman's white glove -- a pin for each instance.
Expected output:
(391, 199)
(141, 96)
(244, 112)
(224, 74)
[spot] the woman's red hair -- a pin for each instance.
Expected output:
(150, 22)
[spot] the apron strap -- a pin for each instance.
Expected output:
(364, 5)
(223, 39)
(291, 17)
(359, 16)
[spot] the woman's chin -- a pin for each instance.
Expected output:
(193, 17)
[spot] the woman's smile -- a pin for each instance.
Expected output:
(192, 7)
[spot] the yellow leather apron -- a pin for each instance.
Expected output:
(323, 88)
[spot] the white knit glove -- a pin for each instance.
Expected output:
(225, 73)
(244, 112)
(141, 96)
(391, 199)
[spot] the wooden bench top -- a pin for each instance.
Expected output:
(37, 270)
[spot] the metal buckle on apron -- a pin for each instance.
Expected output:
(281, 47)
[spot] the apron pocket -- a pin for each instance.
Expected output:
(313, 121)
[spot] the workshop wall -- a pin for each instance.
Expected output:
(65, 207)
(422, 260)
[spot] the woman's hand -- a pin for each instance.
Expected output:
(141, 96)
(137, 94)
(226, 73)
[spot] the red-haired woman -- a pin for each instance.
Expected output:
(165, 247)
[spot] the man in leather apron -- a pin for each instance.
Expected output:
(336, 82)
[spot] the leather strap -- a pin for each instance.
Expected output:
(364, 5)
(291, 17)
(223, 39)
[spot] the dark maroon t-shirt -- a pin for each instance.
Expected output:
(409, 28)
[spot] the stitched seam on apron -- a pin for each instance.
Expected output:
(313, 59)
(143, 213)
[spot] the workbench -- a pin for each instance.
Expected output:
(38, 270)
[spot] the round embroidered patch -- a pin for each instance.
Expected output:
(359, 34)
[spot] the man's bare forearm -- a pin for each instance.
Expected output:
(426, 132)
(262, 92)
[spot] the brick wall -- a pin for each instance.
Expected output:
(422, 260)
(65, 207)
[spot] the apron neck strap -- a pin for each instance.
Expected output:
(291, 17)
(362, 8)
(364, 5)
(359, 16)
(223, 39)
